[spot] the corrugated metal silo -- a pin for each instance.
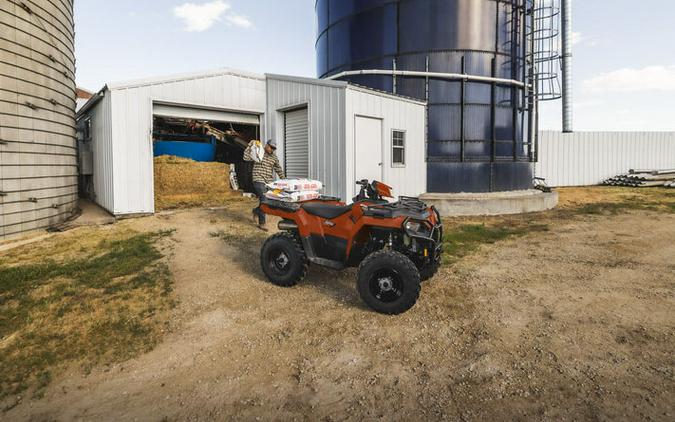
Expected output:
(481, 128)
(38, 156)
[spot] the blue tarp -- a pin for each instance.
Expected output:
(196, 151)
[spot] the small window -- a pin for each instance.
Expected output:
(398, 148)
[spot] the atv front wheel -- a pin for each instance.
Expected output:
(283, 260)
(389, 282)
(429, 271)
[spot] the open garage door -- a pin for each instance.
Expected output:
(296, 143)
(193, 113)
(209, 145)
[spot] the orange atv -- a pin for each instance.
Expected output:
(394, 245)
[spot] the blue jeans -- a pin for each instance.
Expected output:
(260, 190)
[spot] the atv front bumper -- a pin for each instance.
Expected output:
(433, 240)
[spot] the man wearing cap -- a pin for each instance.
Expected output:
(263, 173)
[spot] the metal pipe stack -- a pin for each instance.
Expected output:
(643, 179)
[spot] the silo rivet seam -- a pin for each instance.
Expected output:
(3, 193)
(33, 200)
(31, 105)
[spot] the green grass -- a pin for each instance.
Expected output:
(462, 240)
(98, 305)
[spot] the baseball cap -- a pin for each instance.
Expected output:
(272, 143)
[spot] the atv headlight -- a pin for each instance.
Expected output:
(418, 227)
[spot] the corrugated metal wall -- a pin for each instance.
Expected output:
(101, 132)
(38, 155)
(123, 136)
(396, 114)
(588, 158)
(326, 104)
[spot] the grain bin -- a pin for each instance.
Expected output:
(466, 58)
(38, 155)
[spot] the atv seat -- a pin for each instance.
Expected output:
(326, 211)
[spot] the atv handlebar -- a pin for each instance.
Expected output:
(366, 192)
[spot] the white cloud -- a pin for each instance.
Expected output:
(201, 17)
(651, 78)
(238, 20)
(580, 39)
(589, 103)
(577, 37)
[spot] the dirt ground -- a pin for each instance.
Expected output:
(573, 323)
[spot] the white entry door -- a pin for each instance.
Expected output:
(368, 160)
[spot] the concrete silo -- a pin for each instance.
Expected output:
(38, 155)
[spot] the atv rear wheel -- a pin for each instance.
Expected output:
(388, 282)
(283, 260)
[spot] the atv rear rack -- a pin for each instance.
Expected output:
(294, 206)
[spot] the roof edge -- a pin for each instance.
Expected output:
(386, 94)
(343, 84)
(95, 99)
(306, 80)
(185, 77)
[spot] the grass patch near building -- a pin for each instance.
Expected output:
(612, 200)
(90, 297)
(464, 235)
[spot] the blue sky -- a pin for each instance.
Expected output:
(624, 69)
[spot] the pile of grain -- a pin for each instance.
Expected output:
(183, 183)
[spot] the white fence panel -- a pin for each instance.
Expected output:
(588, 158)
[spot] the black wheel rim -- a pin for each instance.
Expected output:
(386, 285)
(279, 262)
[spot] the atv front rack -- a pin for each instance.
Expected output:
(405, 206)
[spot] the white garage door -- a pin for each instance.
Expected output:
(296, 143)
(194, 113)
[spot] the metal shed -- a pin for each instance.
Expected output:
(327, 130)
(339, 133)
(120, 123)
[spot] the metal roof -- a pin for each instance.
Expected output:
(343, 84)
(185, 77)
(240, 73)
(167, 79)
